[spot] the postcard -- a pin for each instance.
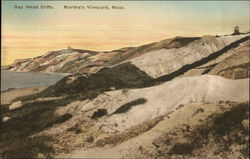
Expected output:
(124, 79)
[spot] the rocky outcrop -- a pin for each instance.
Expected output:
(6, 118)
(15, 105)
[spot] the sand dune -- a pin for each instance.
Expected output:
(148, 103)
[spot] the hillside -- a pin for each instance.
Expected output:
(232, 64)
(177, 98)
(235, 66)
(156, 59)
(197, 130)
(111, 118)
(165, 61)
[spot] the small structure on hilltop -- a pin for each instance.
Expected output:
(70, 48)
(236, 30)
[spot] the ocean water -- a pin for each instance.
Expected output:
(10, 80)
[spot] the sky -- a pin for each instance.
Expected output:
(32, 32)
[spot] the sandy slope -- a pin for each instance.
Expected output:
(141, 105)
(166, 97)
(151, 102)
(232, 64)
(164, 61)
(235, 66)
(145, 145)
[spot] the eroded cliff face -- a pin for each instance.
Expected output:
(55, 61)
(81, 61)
(165, 61)
(231, 62)
(184, 57)
(235, 66)
(156, 59)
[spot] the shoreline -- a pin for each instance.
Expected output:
(12, 80)
(8, 95)
(37, 72)
(13, 89)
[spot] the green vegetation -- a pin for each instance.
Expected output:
(17, 135)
